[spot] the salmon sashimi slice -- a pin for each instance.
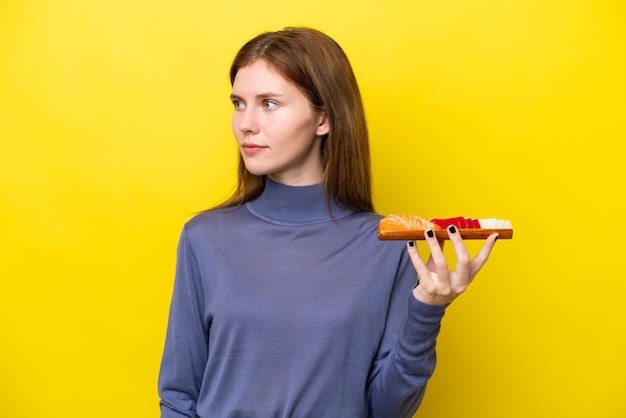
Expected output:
(399, 222)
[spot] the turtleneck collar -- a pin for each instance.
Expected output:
(295, 205)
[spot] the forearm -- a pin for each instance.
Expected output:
(399, 386)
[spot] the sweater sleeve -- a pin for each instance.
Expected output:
(185, 354)
(406, 358)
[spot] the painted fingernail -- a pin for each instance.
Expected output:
(497, 236)
(411, 243)
(430, 233)
(452, 229)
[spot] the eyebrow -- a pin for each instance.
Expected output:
(261, 96)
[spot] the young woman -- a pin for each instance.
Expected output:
(285, 302)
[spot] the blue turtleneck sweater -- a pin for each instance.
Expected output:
(281, 310)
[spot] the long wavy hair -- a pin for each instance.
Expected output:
(318, 66)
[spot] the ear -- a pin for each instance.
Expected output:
(323, 126)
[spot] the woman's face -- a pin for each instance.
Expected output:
(277, 130)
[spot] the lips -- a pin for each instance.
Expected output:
(251, 149)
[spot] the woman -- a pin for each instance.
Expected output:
(285, 302)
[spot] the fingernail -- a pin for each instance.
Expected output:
(430, 233)
(497, 236)
(452, 229)
(411, 243)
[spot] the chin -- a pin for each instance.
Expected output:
(257, 171)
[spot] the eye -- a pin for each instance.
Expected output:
(238, 104)
(269, 105)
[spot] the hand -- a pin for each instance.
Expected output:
(437, 284)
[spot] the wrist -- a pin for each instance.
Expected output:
(423, 296)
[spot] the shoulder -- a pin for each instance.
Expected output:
(210, 222)
(370, 218)
(368, 226)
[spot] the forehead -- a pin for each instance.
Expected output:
(260, 76)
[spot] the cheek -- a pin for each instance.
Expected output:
(292, 128)
(234, 123)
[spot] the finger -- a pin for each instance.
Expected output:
(463, 258)
(416, 259)
(481, 258)
(437, 261)
(431, 263)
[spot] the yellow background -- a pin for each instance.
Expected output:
(115, 129)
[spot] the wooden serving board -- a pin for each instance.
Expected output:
(473, 233)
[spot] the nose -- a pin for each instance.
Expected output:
(246, 121)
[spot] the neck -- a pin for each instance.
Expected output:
(295, 205)
(307, 175)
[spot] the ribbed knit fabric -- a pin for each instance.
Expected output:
(282, 310)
